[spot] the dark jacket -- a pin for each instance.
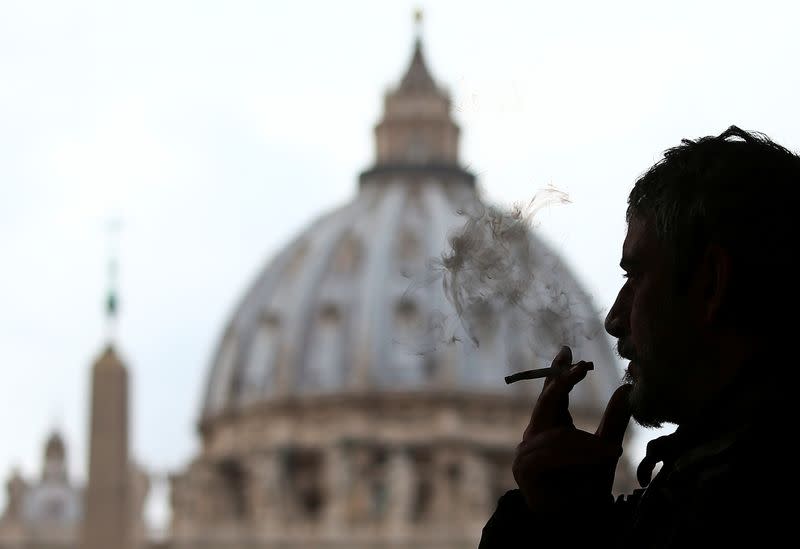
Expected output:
(727, 480)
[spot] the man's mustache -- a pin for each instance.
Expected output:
(625, 351)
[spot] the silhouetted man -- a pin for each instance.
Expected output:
(706, 319)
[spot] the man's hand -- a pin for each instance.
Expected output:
(559, 468)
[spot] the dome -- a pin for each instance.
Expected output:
(349, 304)
(341, 309)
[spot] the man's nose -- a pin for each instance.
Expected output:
(615, 319)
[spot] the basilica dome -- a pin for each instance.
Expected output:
(354, 302)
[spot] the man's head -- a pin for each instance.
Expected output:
(711, 235)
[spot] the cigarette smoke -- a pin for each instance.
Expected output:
(494, 266)
(490, 261)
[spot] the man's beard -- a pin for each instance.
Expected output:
(647, 408)
(660, 368)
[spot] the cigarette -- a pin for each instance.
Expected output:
(539, 372)
(531, 374)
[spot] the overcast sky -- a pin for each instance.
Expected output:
(217, 130)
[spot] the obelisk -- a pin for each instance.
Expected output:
(107, 512)
(107, 501)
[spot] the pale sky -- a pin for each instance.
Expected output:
(218, 130)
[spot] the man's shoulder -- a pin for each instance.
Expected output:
(731, 495)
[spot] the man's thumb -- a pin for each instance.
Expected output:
(616, 417)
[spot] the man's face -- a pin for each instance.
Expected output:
(651, 321)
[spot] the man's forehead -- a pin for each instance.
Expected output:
(638, 239)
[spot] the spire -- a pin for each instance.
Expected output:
(418, 78)
(112, 300)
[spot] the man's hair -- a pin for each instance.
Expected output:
(737, 190)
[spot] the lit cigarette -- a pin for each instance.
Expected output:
(531, 374)
(537, 373)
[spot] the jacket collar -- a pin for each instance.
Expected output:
(720, 425)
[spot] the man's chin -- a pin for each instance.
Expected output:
(644, 409)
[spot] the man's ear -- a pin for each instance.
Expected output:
(715, 279)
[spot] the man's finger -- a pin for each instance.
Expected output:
(552, 407)
(616, 417)
(562, 360)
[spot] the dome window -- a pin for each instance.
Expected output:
(409, 347)
(347, 258)
(298, 259)
(271, 319)
(329, 313)
(322, 369)
(408, 253)
(260, 367)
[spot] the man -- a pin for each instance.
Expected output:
(705, 319)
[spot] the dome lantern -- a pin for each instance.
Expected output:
(417, 132)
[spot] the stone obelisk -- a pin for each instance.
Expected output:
(107, 515)
(107, 504)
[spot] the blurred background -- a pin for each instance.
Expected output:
(192, 142)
